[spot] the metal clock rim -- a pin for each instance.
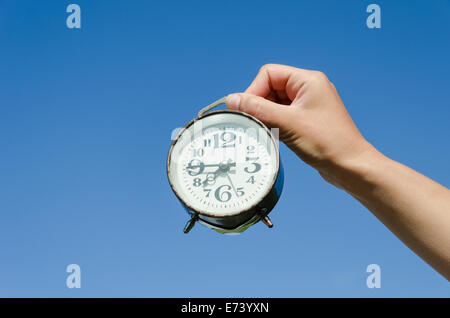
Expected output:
(206, 114)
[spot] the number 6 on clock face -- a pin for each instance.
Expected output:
(225, 168)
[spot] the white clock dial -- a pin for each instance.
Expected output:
(223, 164)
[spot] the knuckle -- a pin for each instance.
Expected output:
(263, 68)
(318, 77)
(266, 67)
(256, 106)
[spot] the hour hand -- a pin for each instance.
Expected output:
(222, 168)
(210, 179)
(211, 176)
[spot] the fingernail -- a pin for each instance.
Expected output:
(233, 101)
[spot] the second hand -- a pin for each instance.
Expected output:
(231, 183)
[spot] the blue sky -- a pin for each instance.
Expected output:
(85, 123)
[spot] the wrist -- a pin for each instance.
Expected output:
(356, 174)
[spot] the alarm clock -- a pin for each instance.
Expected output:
(224, 167)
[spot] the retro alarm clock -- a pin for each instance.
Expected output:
(224, 166)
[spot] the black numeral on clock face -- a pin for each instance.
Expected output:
(255, 165)
(228, 139)
(224, 140)
(195, 167)
(225, 195)
(198, 152)
(197, 182)
(256, 168)
(207, 192)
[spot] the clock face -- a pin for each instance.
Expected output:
(223, 164)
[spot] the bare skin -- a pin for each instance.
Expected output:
(315, 124)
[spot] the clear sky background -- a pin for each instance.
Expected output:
(85, 123)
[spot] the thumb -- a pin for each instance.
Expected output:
(272, 114)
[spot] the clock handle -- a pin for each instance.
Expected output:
(211, 106)
(190, 224)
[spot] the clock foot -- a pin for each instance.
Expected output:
(190, 224)
(266, 220)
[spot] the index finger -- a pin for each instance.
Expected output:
(275, 77)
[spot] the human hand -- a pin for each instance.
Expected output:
(314, 123)
(309, 113)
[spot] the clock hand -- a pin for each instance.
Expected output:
(214, 174)
(207, 181)
(229, 164)
(219, 170)
(220, 165)
(232, 185)
(223, 168)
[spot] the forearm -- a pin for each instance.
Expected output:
(415, 208)
(318, 128)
